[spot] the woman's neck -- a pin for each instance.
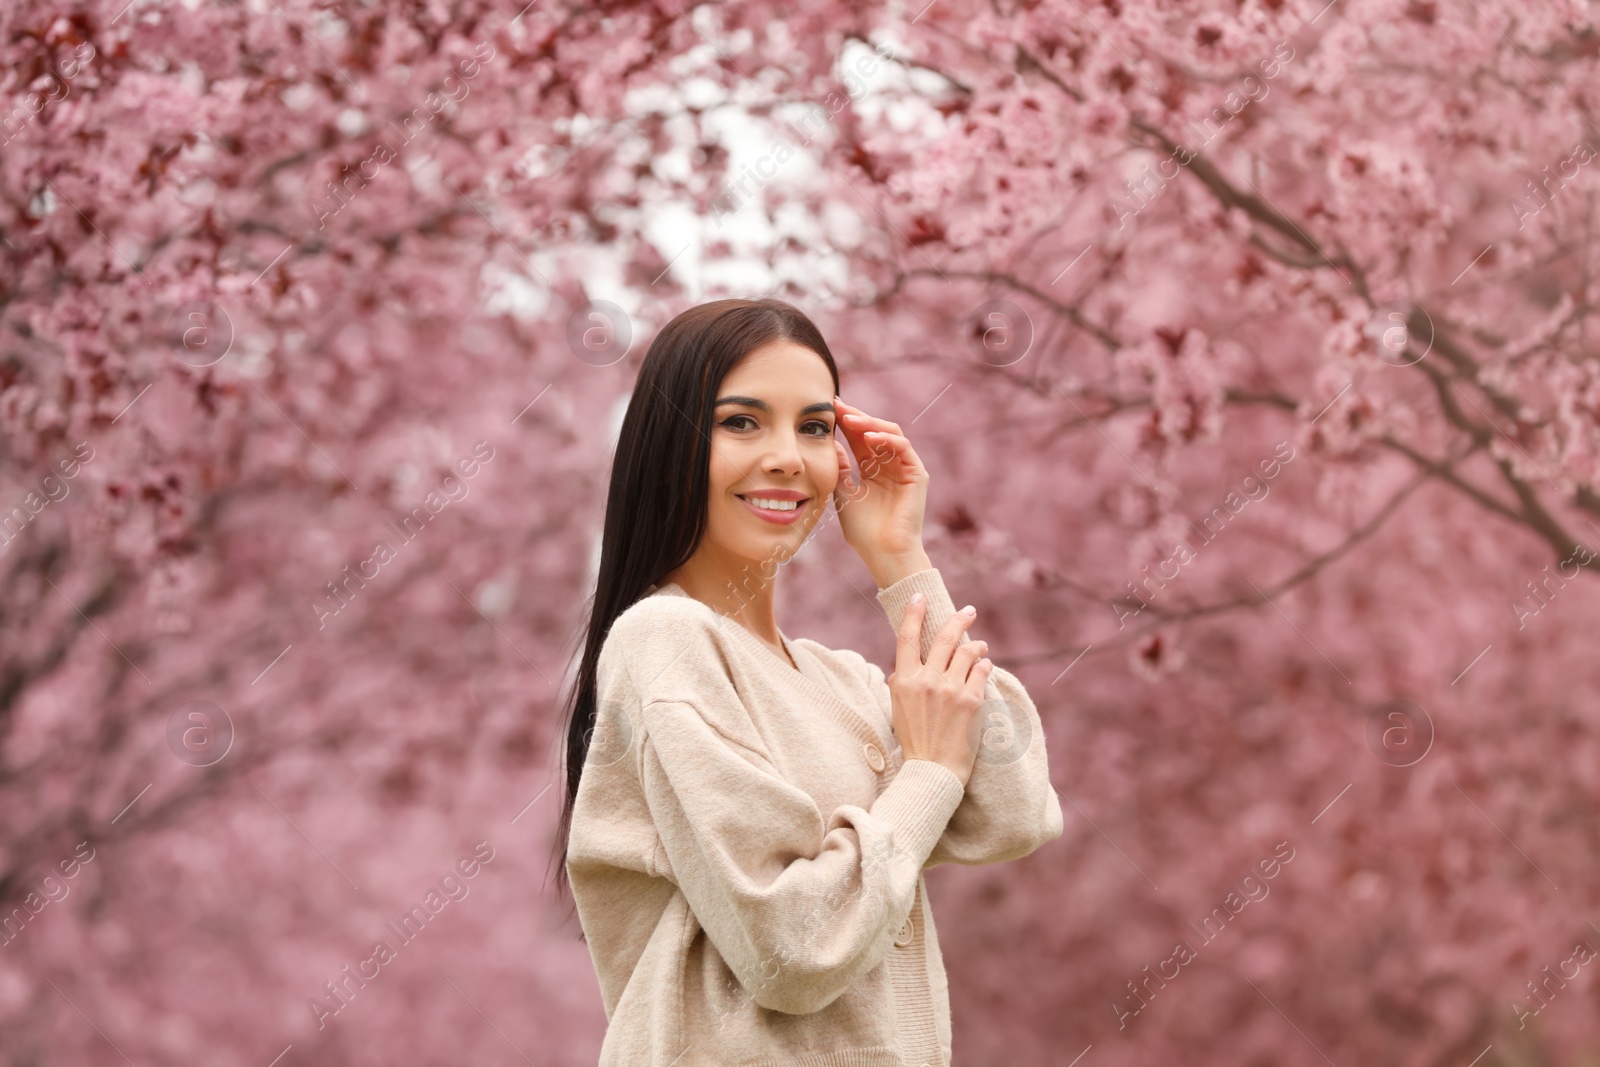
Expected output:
(741, 594)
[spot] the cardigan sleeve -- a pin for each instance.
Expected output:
(1009, 807)
(799, 902)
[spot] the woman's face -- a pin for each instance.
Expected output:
(771, 439)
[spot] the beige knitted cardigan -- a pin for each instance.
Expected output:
(748, 842)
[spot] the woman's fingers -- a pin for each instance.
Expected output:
(908, 646)
(881, 451)
(890, 452)
(846, 483)
(944, 644)
(865, 433)
(979, 676)
(856, 419)
(965, 656)
(878, 444)
(863, 443)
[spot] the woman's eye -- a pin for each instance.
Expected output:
(814, 428)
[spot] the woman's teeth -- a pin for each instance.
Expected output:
(773, 505)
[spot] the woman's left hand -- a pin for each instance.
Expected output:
(881, 518)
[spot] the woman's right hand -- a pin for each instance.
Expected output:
(935, 702)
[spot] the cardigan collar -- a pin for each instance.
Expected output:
(825, 696)
(674, 589)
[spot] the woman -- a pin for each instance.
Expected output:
(747, 816)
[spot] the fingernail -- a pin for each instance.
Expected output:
(969, 610)
(916, 598)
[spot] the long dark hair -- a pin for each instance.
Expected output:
(656, 504)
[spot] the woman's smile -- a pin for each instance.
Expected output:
(774, 506)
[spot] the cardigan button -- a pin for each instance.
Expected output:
(874, 756)
(905, 934)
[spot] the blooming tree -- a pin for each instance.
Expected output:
(1247, 344)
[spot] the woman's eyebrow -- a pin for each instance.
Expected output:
(762, 405)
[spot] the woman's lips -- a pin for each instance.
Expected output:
(782, 518)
